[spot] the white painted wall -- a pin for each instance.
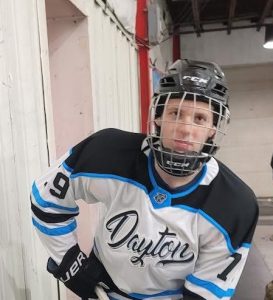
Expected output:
(23, 152)
(161, 55)
(161, 50)
(242, 46)
(248, 147)
(69, 62)
(114, 64)
(126, 12)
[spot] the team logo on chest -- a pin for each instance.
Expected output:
(160, 197)
(166, 248)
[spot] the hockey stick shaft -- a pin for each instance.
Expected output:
(101, 293)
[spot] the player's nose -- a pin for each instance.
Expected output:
(184, 125)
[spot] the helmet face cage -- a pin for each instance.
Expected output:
(186, 112)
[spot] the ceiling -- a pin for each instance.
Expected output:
(198, 16)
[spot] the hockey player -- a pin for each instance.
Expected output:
(176, 223)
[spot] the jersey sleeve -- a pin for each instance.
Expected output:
(79, 174)
(54, 207)
(219, 264)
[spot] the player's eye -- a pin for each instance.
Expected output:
(200, 119)
(173, 113)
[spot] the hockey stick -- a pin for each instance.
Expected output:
(101, 293)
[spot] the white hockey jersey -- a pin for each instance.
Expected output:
(154, 241)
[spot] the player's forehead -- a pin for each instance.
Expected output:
(186, 103)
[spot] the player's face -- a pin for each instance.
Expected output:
(186, 125)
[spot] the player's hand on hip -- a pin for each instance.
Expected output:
(79, 273)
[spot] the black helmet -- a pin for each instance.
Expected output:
(195, 81)
(198, 77)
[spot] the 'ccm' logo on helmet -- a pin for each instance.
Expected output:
(195, 79)
(177, 164)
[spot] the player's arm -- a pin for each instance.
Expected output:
(219, 275)
(219, 264)
(54, 198)
(54, 208)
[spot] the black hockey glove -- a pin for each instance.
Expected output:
(79, 273)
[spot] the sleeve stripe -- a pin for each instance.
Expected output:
(214, 223)
(51, 217)
(213, 288)
(45, 204)
(66, 167)
(165, 293)
(220, 228)
(55, 231)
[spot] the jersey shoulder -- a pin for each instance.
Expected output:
(111, 151)
(236, 189)
(233, 205)
(218, 173)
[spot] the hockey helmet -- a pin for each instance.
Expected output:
(195, 81)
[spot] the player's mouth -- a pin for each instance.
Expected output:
(182, 146)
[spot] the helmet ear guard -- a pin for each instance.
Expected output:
(198, 82)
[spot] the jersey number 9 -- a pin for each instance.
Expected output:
(61, 185)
